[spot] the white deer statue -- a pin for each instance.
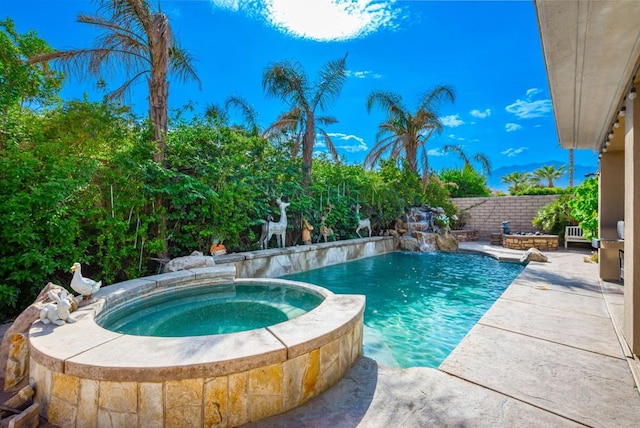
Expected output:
(362, 224)
(278, 228)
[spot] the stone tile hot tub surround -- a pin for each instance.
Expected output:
(86, 376)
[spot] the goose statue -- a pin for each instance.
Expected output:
(84, 286)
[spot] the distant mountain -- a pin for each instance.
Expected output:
(494, 180)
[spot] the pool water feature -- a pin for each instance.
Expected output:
(205, 310)
(419, 305)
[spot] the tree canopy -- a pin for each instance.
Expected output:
(288, 81)
(404, 133)
(20, 82)
(137, 42)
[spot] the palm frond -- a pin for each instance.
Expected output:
(248, 113)
(385, 99)
(181, 64)
(326, 120)
(484, 162)
(330, 145)
(215, 112)
(331, 80)
(287, 81)
(434, 96)
(110, 26)
(119, 93)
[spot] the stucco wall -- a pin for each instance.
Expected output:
(488, 213)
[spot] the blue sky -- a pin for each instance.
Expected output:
(490, 52)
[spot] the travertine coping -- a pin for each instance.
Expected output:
(86, 350)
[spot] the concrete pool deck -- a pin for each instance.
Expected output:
(547, 354)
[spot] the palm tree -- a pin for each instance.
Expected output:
(517, 179)
(140, 42)
(291, 125)
(480, 158)
(404, 131)
(549, 173)
(288, 81)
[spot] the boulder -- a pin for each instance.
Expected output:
(533, 255)
(21, 325)
(195, 260)
(409, 243)
(17, 368)
(427, 242)
(446, 241)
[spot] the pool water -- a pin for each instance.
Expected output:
(205, 310)
(419, 305)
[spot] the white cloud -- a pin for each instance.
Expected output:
(511, 152)
(321, 20)
(363, 74)
(233, 5)
(532, 91)
(481, 114)
(510, 127)
(454, 137)
(529, 108)
(357, 143)
(435, 152)
(452, 120)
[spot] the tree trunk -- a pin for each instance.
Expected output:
(308, 142)
(411, 152)
(159, 40)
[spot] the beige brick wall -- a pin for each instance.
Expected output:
(488, 213)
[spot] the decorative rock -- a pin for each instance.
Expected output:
(446, 242)
(195, 260)
(427, 242)
(533, 255)
(495, 239)
(17, 369)
(408, 243)
(22, 324)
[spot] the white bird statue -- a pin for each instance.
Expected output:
(85, 286)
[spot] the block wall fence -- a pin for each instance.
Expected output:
(486, 214)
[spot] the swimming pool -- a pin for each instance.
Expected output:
(419, 306)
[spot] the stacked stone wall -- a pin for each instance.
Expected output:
(486, 214)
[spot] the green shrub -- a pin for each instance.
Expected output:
(544, 191)
(584, 207)
(465, 182)
(554, 217)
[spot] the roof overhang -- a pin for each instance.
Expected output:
(592, 51)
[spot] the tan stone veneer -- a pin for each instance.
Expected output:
(524, 242)
(86, 376)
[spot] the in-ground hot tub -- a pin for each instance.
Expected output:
(204, 310)
(86, 375)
